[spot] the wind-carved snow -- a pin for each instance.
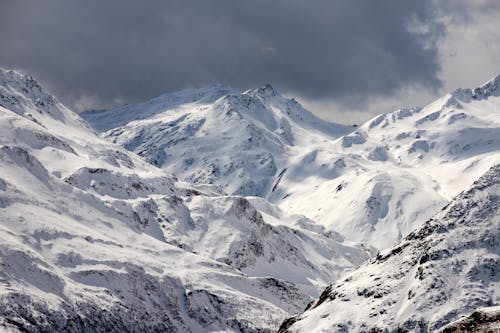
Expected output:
(94, 238)
(374, 183)
(444, 270)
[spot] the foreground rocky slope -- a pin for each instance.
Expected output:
(442, 271)
(374, 183)
(92, 238)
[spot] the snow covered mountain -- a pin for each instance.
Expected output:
(214, 135)
(94, 238)
(395, 171)
(444, 270)
(373, 184)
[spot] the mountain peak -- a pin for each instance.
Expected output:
(21, 83)
(491, 87)
(266, 91)
(209, 93)
(22, 94)
(103, 120)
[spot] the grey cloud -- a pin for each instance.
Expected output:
(108, 51)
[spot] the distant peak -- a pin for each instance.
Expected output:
(208, 94)
(9, 72)
(10, 76)
(268, 86)
(266, 91)
(15, 85)
(490, 87)
(494, 80)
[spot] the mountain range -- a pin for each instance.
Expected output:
(373, 183)
(217, 210)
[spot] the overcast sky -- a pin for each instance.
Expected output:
(346, 60)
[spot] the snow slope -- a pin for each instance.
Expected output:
(373, 184)
(442, 271)
(94, 238)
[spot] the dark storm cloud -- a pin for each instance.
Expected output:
(131, 50)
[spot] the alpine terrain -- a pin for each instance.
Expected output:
(445, 269)
(215, 210)
(374, 183)
(95, 239)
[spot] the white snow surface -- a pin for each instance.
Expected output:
(93, 237)
(374, 183)
(439, 274)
